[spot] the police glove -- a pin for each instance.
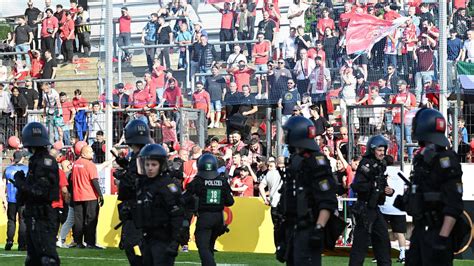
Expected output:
(172, 249)
(122, 162)
(101, 200)
(440, 243)
(20, 180)
(316, 237)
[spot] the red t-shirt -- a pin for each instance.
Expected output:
(67, 111)
(171, 95)
(62, 183)
(143, 98)
(189, 172)
(227, 19)
(261, 48)
(408, 99)
(201, 100)
(247, 181)
(124, 24)
(36, 67)
(344, 19)
(49, 23)
(326, 23)
(312, 53)
(242, 77)
(79, 102)
(83, 171)
(158, 77)
(66, 29)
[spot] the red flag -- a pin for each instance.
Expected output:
(365, 30)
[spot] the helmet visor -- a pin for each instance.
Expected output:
(148, 166)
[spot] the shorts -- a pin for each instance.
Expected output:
(216, 106)
(261, 68)
(276, 40)
(398, 223)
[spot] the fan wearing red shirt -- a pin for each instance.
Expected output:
(158, 77)
(325, 22)
(242, 185)
(391, 12)
(227, 26)
(36, 64)
(58, 205)
(260, 52)
(67, 37)
(142, 97)
(345, 17)
(172, 95)
(87, 198)
(201, 99)
(68, 116)
(49, 27)
(409, 101)
(242, 74)
(125, 35)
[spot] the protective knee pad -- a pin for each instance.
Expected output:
(48, 261)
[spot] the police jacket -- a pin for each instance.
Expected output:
(213, 194)
(126, 188)
(370, 180)
(437, 176)
(310, 186)
(159, 207)
(42, 181)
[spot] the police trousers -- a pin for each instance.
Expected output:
(155, 253)
(421, 251)
(41, 236)
(380, 241)
(300, 253)
(131, 237)
(207, 227)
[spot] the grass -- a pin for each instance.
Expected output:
(116, 257)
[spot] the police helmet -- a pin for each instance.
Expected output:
(207, 166)
(300, 133)
(430, 125)
(152, 152)
(137, 132)
(374, 143)
(35, 134)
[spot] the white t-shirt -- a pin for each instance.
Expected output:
(469, 48)
(289, 48)
(51, 99)
(272, 180)
(234, 59)
(299, 20)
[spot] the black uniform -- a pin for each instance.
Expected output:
(130, 236)
(369, 184)
(213, 195)
(308, 189)
(40, 188)
(437, 183)
(159, 212)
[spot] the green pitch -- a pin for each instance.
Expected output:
(115, 257)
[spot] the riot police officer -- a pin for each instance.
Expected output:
(213, 193)
(159, 210)
(434, 199)
(137, 135)
(371, 186)
(308, 196)
(36, 191)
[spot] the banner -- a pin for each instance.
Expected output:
(216, 1)
(365, 30)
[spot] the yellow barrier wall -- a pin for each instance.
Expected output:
(250, 224)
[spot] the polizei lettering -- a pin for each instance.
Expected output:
(213, 182)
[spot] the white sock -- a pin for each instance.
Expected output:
(402, 253)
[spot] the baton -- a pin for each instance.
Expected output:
(118, 225)
(400, 174)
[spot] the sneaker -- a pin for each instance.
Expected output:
(211, 125)
(94, 247)
(185, 248)
(374, 260)
(60, 57)
(9, 245)
(217, 125)
(80, 245)
(401, 260)
(61, 244)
